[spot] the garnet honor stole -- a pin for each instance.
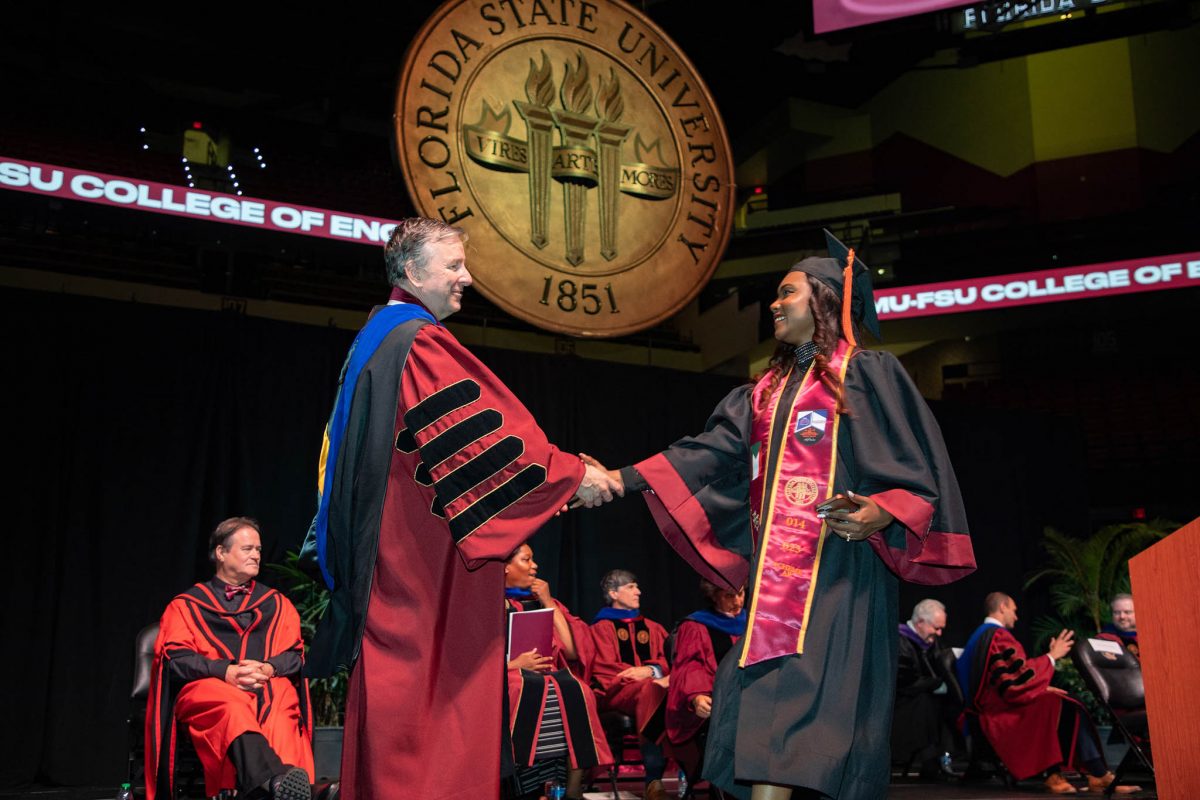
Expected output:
(785, 488)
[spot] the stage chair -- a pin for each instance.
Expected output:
(187, 763)
(979, 750)
(1116, 681)
(617, 728)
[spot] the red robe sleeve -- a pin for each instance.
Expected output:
(495, 476)
(585, 647)
(694, 670)
(1016, 678)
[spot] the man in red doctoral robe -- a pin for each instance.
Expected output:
(630, 669)
(702, 639)
(227, 666)
(431, 474)
(1033, 727)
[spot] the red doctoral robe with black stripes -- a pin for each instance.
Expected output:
(1018, 712)
(621, 644)
(263, 626)
(442, 475)
(586, 744)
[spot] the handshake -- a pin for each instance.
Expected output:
(598, 486)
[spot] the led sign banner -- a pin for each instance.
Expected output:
(833, 15)
(1002, 12)
(161, 198)
(1048, 286)
(951, 297)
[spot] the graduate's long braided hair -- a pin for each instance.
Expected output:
(827, 329)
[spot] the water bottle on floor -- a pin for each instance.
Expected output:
(682, 783)
(125, 793)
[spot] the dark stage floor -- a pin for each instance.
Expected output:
(900, 789)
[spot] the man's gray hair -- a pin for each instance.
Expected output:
(407, 246)
(926, 609)
(613, 580)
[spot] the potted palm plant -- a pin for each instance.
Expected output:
(311, 598)
(1083, 575)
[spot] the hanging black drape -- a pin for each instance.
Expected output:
(134, 428)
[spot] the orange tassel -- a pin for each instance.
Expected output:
(847, 292)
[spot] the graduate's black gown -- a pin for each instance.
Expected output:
(822, 720)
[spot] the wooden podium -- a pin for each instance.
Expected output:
(1166, 592)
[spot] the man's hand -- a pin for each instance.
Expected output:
(530, 660)
(541, 591)
(664, 681)
(702, 705)
(248, 674)
(596, 489)
(614, 475)
(1061, 645)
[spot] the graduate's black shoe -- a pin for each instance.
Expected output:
(291, 785)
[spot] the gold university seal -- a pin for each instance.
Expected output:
(580, 150)
(800, 491)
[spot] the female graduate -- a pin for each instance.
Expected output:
(816, 487)
(552, 713)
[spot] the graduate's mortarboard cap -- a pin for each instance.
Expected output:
(845, 275)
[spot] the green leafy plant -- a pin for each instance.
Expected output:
(311, 598)
(1083, 575)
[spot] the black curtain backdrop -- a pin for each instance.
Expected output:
(138, 427)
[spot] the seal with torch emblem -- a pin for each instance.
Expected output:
(580, 150)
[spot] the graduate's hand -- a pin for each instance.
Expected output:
(532, 661)
(702, 705)
(664, 681)
(541, 590)
(613, 474)
(596, 489)
(857, 524)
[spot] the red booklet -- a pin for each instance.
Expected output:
(530, 629)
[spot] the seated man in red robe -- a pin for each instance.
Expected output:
(629, 669)
(701, 641)
(227, 666)
(1029, 723)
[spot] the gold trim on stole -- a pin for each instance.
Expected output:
(768, 504)
(812, 586)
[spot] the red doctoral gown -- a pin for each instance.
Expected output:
(692, 675)
(1017, 712)
(586, 744)
(442, 474)
(215, 712)
(621, 644)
